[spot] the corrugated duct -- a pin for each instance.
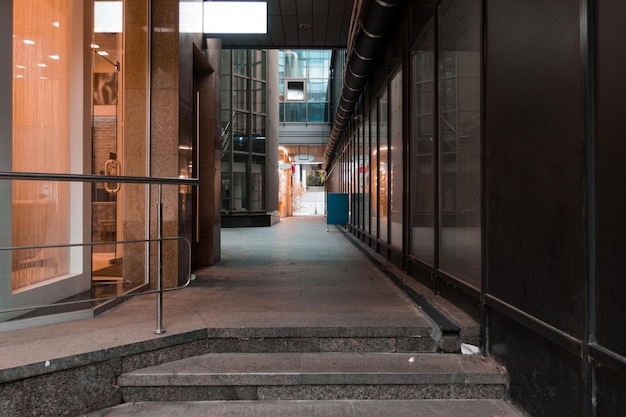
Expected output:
(377, 17)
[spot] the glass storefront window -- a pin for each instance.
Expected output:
(366, 174)
(383, 166)
(42, 106)
(422, 158)
(374, 170)
(361, 175)
(396, 162)
(459, 140)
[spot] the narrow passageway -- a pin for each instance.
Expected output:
(298, 274)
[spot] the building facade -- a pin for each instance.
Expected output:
(483, 156)
(87, 90)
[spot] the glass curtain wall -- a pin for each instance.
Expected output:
(304, 88)
(244, 130)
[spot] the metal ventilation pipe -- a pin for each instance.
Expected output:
(378, 18)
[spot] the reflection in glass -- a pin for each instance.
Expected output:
(374, 169)
(459, 140)
(366, 175)
(295, 112)
(238, 187)
(383, 166)
(397, 184)
(422, 159)
(256, 183)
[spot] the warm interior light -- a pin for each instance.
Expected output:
(29, 42)
(235, 17)
(103, 53)
(55, 57)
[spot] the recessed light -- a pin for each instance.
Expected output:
(29, 42)
(103, 53)
(56, 24)
(95, 46)
(20, 66)
(55, 57)
(305, 26)
(42, 65)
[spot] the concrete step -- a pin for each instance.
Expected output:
(317, 376)
(322, 339)
(344, 408)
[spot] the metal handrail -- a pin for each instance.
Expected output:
(112, 297)
(34, 176)
(160, 181)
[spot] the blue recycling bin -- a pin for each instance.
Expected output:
(336, 208)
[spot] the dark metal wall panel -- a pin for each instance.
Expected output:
(544, 379)
(610, 397)
(534, 160)
(610, 85)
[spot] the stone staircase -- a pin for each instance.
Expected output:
(317, 372)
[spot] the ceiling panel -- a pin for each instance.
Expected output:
(326, 24)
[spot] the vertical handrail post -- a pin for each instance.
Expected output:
(159, 306)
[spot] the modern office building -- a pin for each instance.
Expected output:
(480, 144)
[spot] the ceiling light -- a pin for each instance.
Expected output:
(42, 65)
(55, 57)
(20, 66)
(235, 17)
(56, 24)
(305, 26)
(103, 53)
(29, 42)
(108, 16)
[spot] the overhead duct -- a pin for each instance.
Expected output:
(376, 19)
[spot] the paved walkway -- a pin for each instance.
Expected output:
(292, 275)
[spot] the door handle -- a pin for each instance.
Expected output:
(112, 168)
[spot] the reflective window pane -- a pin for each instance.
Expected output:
(459, 140)
(422, 159)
